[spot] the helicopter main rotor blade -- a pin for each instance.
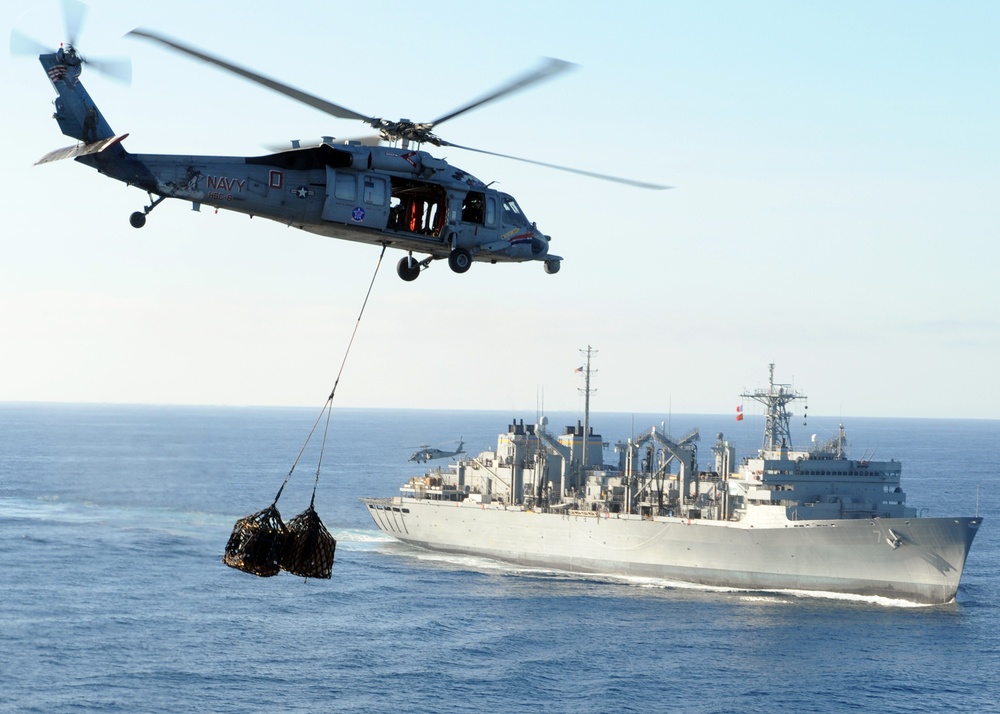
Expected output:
(591, 174)
(296, 94)
(548, 69)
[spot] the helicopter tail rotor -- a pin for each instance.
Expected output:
(21, 44)
(74, 14)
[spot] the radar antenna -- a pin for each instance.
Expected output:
(586, 392)
(775, 399)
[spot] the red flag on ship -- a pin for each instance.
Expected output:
(739, 413)
(577, 370)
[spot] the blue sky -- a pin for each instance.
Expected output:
(836, 168)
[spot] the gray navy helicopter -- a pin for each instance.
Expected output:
(425, 453)
(391, 194)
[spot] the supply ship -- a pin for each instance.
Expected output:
(785, 519)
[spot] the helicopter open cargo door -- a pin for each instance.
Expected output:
(356, 199)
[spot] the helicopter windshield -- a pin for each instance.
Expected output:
(512, 212)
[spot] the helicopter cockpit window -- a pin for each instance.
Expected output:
(512, 212)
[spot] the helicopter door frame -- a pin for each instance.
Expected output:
(491, 211)
(480, 211)
(356, 199)
(418, 207)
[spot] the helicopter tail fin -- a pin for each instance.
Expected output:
(76, 113)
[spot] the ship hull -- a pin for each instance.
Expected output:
(915, 559)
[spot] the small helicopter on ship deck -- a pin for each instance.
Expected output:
(384, 191)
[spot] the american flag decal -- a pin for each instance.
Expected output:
(57, 72)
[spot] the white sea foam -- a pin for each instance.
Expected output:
(359, 536)
(871, 599)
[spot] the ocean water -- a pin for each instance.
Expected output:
(113, 597)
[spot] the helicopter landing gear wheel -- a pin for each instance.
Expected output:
(408, 268)
(459, 260)
(138, 219)
(552, 266)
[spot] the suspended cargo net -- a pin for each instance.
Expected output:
(257, 543)
(262, 544)
(308, 546)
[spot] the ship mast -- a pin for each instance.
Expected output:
(586, 392)
(776, 431)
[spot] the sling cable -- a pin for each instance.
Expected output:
(261, 543)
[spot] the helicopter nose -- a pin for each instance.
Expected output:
(539, 244)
